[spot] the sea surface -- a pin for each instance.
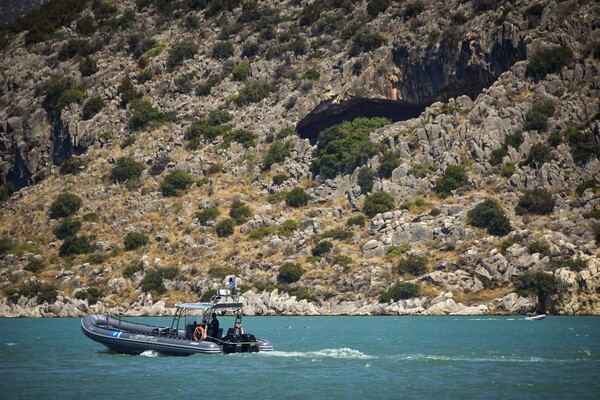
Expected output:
(318, 358)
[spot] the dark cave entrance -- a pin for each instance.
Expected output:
(327, 114)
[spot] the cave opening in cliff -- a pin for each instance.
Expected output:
(327, 114)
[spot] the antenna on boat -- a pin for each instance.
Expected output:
(230, 289)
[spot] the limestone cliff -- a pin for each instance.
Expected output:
(507, 90)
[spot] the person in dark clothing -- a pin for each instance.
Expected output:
(213, 325)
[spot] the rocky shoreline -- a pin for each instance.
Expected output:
(275, 304)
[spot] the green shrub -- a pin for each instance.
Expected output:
(126, 170)
(589, 184)
(65, 205)
(43, 293)
(323, 247)
(92, 107)
(536, 201)
(242, 136)
(204, 88)
(262, 232)
(60, 91)
(145, 76)
(184, 83)
(288, 227)
(311, 12)
(365, 42)
(67, 227)
(225, 227)
(35, 266)
(203, 129)
(453, 178)
(221, 272)
(379, 202)
(539, 284)
(143, 114)
(388, 163)
(397, 251)
(239, 212)
(597, 233)
(250, 48)
(277, 153)
(412, 265)
(92, 295)
(6, 190)
(135, 240)
(537, 247)
(222, 50)
(75, 245)
(375, 7)
(88, 66)
(153, 280)
(413, 9)
(509, 242)
(548, 60)
(97, 258)
(290, 272)
(279, 179)
(400, 291)
(311, 74)
(583, 145)
(514, 140)
(459, 18)
(357, 220)
(208, 295)
(86, 25)
(42, 22)
(539, 153)
(131, 269)
(537, 117)
(575, 264)
(335, 234)
(127, 92)
(253, 92)
(175, 183)
(181, 52)
(73, 48)
(555, 139)
(489, 215)
(508, 170)
(72, 166)
(207, 214)
(344, 147)
(6, 246)
(241, 71)
(296, 197)
(418, 170)
(285, 132)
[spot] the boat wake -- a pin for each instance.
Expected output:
(149, 353)
(499, 359)
(341, 353)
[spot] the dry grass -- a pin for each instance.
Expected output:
(481, 297)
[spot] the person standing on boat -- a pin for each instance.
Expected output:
(213, 325)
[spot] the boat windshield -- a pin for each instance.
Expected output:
(201, 312)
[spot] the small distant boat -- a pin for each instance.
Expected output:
(184, 337)
(535, 317)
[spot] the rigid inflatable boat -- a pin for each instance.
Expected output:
(185, 336)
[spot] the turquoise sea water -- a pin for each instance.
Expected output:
(318, 358)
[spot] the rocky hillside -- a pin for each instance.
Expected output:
(338, 157)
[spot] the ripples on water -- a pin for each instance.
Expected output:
(319, 358)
